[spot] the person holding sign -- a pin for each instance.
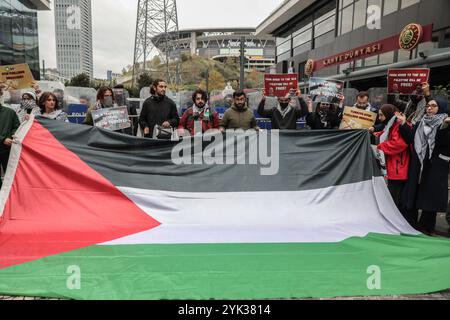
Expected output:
(105, 99)
(199, 118)
(9, 123)
(48, 103)
(326, 115)
(415, 108)
(396, 152)
(427, 186)
(158, 110)
(286, 114)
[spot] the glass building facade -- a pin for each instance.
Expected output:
(19, 41)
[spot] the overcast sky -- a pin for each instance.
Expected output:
(114, 24)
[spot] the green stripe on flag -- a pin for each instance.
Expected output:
(408, 265)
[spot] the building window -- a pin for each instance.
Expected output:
(324, 25)
(360, 14)
(302, 38)
(404, 55)
(284, 47)
(324, 39)
(371, 61)
(387, 58)
(407, 3)
(347, 19)
(302, 48)
(284, 56)
(390, 6)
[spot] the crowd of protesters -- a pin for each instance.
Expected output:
(413, 136)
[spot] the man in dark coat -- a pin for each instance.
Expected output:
(427, 186)
(9, 123)
(287, 113)
(158, 110)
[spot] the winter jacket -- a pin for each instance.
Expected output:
(397, 154)
(289, 122)
(157, 110)
(187, 121)
(9, 123)
(335, 115)
(427, 189)
(238, 119)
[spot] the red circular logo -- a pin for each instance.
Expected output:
(410, 36)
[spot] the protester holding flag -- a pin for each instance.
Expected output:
(415, 108)
(427, 186)
(199, 118)
(48, 103)
(9, 123)
(158, 110)
(287, 113)
(239, 116)
(397, 154)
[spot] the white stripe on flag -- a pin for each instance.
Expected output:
(326, 215)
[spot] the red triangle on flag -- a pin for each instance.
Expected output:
(58, 203)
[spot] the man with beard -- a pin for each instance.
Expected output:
(415, 108)
(286, 114)
(239, 116)
(326, 116)
(362, 103)
(158, 110)
(199, 118)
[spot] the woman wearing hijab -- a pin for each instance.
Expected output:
(397, 153)
(427, 186)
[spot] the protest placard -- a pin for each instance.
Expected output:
(111, 118)
(279, 85)
(407, 81)
(16, 77)
(325, 87)
(355, 118)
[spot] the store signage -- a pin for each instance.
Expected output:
(411, 36)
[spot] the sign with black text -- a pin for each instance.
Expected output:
(325, 87)
(111, 118)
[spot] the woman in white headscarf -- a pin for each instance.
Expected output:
(427, 186)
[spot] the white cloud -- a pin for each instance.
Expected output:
(114, 26)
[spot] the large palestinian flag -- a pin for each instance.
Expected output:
(90, 214)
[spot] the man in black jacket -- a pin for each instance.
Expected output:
(158, 110)
(286, 114)
(9, 123)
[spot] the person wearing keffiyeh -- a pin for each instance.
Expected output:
(287, 111)
(427, 186)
